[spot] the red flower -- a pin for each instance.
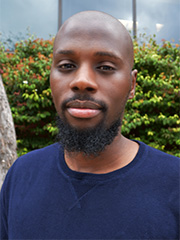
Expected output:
(48, 67)
(16, 93)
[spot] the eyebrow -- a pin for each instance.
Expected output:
(66, 52)
(108, 54)
(100, 53)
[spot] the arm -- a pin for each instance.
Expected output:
(3, 216)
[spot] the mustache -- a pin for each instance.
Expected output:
(85, 98)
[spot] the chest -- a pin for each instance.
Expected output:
(70, 210)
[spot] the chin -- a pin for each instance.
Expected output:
(91, 140)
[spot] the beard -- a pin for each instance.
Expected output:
(91, 141)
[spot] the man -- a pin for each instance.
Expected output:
(95, 184)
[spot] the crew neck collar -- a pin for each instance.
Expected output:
(69, 173)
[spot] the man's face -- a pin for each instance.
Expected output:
(94, 67)
(91, 78)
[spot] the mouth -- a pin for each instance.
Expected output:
(83, 109)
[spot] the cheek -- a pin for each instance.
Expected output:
(117, 89)
(57, 89)
(117, 94)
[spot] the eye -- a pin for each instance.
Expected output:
(106, 68)
(66, 66)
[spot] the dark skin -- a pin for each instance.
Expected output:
(93, 55)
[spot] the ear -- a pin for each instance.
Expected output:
(133, 83)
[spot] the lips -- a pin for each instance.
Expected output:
(83, 109)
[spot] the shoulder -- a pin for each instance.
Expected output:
(39, 156)
(159, 162)
(154, 153)
(157, 174)
(33, 163)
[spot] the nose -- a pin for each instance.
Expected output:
(84, 80)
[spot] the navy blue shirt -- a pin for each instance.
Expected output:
(42, 198)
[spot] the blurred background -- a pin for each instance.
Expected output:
(42, 18)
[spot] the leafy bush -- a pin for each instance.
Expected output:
(152, 116)
(26, 79)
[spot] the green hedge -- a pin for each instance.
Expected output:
(152, 116)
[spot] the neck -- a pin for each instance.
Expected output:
(115, 156)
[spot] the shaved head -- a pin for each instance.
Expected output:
(98, 24)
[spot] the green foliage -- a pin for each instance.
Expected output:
(26, 79)
(152, 116)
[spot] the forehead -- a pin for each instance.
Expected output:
(95, 34)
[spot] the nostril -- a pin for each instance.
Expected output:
(75, 88)
(83, 84)
(90, 89)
